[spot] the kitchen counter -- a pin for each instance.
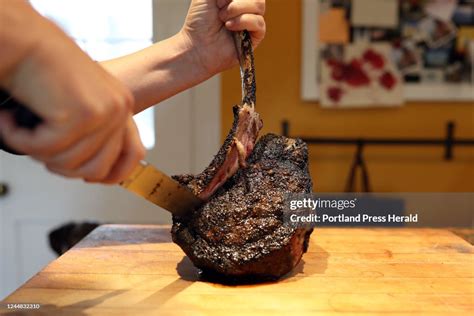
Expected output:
(135, 270)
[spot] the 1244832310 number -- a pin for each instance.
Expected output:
(23, 306)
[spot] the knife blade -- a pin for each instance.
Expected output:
(158, 188)
(145, 180)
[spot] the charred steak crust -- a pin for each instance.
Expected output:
(240, 230)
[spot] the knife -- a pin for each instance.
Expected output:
(158, 188)
(145, 180)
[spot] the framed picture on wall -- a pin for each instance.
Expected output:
(431, 44)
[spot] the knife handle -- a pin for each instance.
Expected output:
(21, 114)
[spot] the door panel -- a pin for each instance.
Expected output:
(36, 247)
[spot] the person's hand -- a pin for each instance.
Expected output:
(207, 29)
(87, 130)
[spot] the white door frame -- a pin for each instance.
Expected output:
(197, 142)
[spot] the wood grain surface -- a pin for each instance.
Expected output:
(137, 270)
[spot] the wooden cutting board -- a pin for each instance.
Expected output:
(137, 270)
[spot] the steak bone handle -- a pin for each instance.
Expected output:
(243, 45)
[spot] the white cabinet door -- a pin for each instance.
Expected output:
(187, 135)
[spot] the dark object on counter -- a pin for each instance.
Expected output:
(65, 237)
(240, 232)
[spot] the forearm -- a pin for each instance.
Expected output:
(17, 35)
(159, 71)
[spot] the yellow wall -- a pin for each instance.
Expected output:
(399, 169)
